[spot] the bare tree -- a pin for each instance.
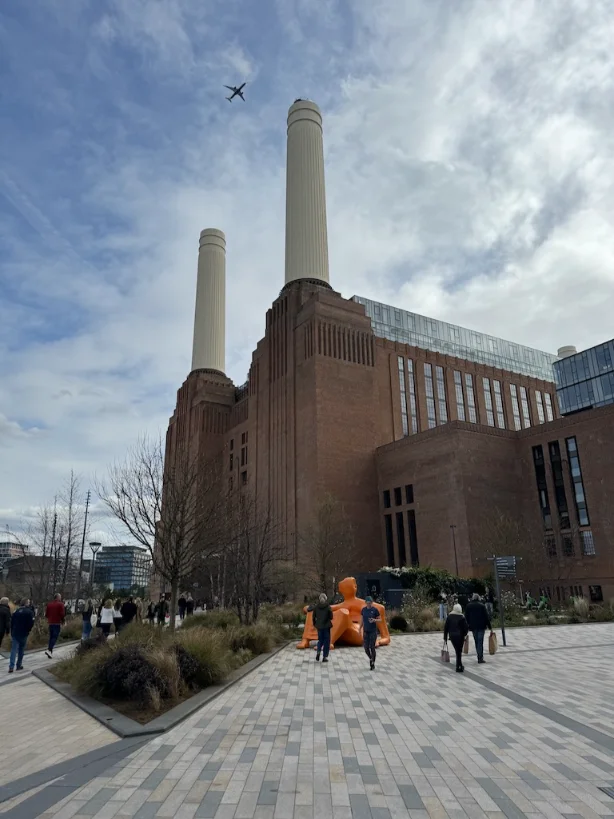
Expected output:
(328, 546)
(172, 509)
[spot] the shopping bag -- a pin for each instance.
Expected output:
(466, 645)
(492, 643)
(445, 654)
(94, 620)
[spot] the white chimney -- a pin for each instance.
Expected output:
(306, 235)
(565, 352)
(209, 350)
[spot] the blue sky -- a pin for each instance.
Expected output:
(469, 162)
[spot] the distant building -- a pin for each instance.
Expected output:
(585, 380)
(123, 567)
(10, 549)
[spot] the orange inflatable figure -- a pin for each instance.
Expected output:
(346, 620)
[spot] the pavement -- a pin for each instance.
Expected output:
(528, 734)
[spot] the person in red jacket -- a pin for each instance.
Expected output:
(55, 614)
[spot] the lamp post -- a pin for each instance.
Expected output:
(78, 592)
(94, 546)
(453, 530)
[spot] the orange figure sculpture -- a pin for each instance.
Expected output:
(346, 620)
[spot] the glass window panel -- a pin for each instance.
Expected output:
(490, 416)
(524, 401)
(499, 404)
(431, 416)
(471, 406)
(458, 389)
(441, 395)
(404, 419)
(515, 406)
(549, 412)
(540, 407)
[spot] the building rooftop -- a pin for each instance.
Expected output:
(441, 337)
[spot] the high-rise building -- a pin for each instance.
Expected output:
(421, 429)
(585, 380)
(123, 567)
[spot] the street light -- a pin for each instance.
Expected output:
(453, 528)
(94, 546)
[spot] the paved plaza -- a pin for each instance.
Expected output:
(530, 733)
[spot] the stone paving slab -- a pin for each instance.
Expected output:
(298, 739)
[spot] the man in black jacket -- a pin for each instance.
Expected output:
(323, 622)
(5, 618)
(128, 610)
(478, 621)
(22, 622)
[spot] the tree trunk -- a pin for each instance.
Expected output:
(174, 596)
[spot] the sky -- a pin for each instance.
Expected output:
(469, 150)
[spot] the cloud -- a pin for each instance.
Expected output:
(468, 159)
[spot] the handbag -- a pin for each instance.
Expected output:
(492, 643)
(466, 645)
(445, 654)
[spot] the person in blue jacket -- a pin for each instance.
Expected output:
(22, 622)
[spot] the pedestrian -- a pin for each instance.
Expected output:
(162, 609)
(139, 610)
(368, 629)
(456, 629)
(443, 606)
(106, 617)
(478, 621)
(22, 622)
(5, 618)
(128, 612)
(87, 613)
(56, 616)
(490, 602)
(151, 612)
(182, 604)
(323, 622)
(117, 615)
(189, 605)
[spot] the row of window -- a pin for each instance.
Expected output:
(560, 495)
(401, 540)
(466, 405)
(398, 496)
(244, 448)
(568, 546)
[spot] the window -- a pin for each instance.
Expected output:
(460, 400)
(409, 493)
(473, 416)
(540, 407)
(515, 406)
(230, 484)
(401, 539)
(526, 416)
(575, 474)
(413, 539)
(412, 396)
(596, 594)
(559, 485)
(243, 456)
(404, 419)
(389, 540)
(542, 487)
(568, 547)
(588, 544)
(499, 404)
(430, 397)
(232, 460)
(490, 416)
(549, 412)
(244, 477)
(398, 498)
(550, 544)
(243, 438)
(232, 444)
(386, 498)
(441, 395)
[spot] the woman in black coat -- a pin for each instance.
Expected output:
(456, 629)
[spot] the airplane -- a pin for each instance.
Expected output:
(236, 92)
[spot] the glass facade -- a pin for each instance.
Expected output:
(473, 415)
(586, 379)
(412, 396)
(430, 397)
(404, 418)
(123, 567)
(439, 336)
(575, 475)
(515, 406)
(526, 415)
(556, 464)
(540, 407)
(490, 416)
(549, 412)
(499, 404)
(460, 402)
(441, 396)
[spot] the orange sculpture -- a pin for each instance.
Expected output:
(346, 620)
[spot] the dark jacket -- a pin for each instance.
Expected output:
(182, 603)
(477, 616)
(5, 618)
(455, 627)
(22, 622)
(189, 606)
(322, 616)
(87, 614)
(128, 611)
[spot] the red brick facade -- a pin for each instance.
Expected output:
(322, 412)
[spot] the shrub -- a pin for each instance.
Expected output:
(211, 652)
(187, 663)
(127, 674)
(290, 614)
(219, 618)
(95, 641)
(414, 603)
(143, 634)
(601, 614)
(398, 623)
(258, 639)
(72, 629)
(169, 685)
(581, 608)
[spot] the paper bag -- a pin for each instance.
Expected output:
(445, 654)
(466, 645)
(492, 643)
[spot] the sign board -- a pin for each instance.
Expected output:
(506, 567)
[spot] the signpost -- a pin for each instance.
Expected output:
(505, 569)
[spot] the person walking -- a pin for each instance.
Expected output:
(456, 629)
(443, 606)
(22, 623)
(182, 605)
(490, 602)
(478, 621)
(162, 609)
(322, 622)
(139, 610)
(128, 612)
(5, 618)
(106, 617)
(151, 612)
(117, 615)
(189, 605)
(86, 613)
(368, 629)
(56, 616)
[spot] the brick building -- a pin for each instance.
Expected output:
(419, 428)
